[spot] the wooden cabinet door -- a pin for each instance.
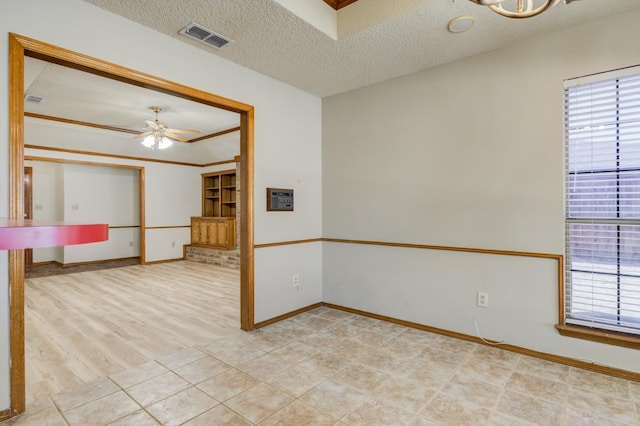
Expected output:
(222, 233)
(202, 228)
(212, 233)
(195, 232)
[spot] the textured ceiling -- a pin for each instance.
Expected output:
(377, 39)
(374, 40)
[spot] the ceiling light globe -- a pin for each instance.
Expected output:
(149, 141)
(164, 143)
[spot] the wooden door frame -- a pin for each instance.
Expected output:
(28, 213)
(19, 47)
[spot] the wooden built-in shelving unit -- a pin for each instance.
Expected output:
(216, 227)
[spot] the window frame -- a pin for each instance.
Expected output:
(570, 326)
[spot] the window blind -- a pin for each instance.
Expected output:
(602, 200)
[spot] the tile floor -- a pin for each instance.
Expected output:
(328, 367)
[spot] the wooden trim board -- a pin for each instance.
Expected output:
(155, 262)
(167, 227)
(101, 154)
(287, 315)
(611, 371)
(339, 4)
(286, 243)
(96, 262)
(5, 414)
(599, 336)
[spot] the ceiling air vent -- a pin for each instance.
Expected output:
(33, 99)
(205, 35)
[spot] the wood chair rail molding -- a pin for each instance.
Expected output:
(19, 47)
(287, 243)
(168, 227)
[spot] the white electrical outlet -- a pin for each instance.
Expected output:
(482, 299)
(130, 243)
(296, 280)
(173, 243)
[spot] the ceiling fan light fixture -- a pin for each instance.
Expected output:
(164, 143)
(156, 141)
(522, 8)
(149, 142)
(159, 135)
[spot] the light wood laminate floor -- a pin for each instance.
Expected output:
(84, 326)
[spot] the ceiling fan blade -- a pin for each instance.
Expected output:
(176, 137)
(152, 124)
(143, 134)
(193, 132)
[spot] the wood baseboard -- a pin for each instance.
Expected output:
(287, 315)
(5, 414)
(155, 262)
(46, 262)
(571, 362)
(95, 262)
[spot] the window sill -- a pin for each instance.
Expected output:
(608, 337)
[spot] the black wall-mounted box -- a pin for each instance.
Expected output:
(280, 200)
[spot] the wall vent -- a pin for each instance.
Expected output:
(205, 35)
(33, 99)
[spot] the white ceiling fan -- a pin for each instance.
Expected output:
(159, 135)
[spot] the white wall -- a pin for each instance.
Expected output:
(287, 129)
(88, 194)
(172, 196)
(279, 264)
(47, 196)
(96, 194)
(468, 154)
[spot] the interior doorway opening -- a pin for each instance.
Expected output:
(56, 191)
(21, 47)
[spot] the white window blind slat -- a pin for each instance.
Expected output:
(602, 197)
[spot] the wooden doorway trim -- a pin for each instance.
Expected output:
(19, 47)
(28, 208)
